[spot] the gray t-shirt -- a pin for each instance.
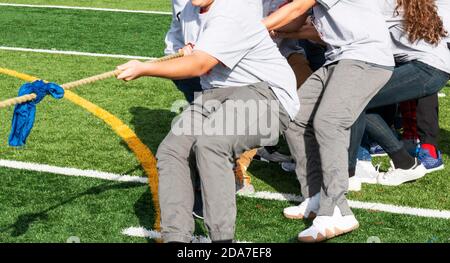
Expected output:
(232, 32)
(404, 51)
(353, 29)
(174, 38)
(287, 46)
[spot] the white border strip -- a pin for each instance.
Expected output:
(403, 210)
(89, 8)
(75, 53)
(71, 171)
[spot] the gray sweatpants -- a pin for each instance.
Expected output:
(213, 155)
(330, 102)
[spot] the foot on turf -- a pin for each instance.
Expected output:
(366, 172)
(399, 176)
(354, 184)
(307, 209)
(326, 227)
(431, 164)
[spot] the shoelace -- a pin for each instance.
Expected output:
(377, 168)
(392, 169)
(389, 172)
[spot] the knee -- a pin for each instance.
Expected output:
(322, 122)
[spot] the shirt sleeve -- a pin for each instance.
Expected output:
(224, 39)
(328, 4)
(174, 38)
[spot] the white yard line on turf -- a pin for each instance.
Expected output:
(151, 234)
(75, 53)
(403, 210)
(394, 209)
(71, 171)
(88, 8)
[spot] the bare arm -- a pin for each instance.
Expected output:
(287, 14)
(294, 25)
(308, 32)
(195, 65)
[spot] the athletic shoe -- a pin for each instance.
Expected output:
(432, 164)
(441, 95)
(366, 172)
(326, 227)
(288, 166)
(307, 209)
(354, 184)
(267, 155)
(377, 151)
(399, 176)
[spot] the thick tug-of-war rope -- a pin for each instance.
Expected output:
(78, 83)
(30, 94)
(17, 100)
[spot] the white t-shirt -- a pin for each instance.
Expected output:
(174, 37)
(232, 32)
(353, 29)
(286, 46)
(404, 51)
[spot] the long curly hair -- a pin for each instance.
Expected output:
(421, 20)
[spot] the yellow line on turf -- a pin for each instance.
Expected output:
(141, 151)
(16, 74)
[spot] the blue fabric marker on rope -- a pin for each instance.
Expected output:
(25, 113)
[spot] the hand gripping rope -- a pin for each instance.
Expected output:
(78, 83)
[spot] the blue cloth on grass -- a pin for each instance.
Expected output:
(24, 114)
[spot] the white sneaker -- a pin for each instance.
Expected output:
(354, 184)
(307, 209)
(326, 227)
(366, 172)
(396, 177)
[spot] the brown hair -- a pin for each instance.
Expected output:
(421, 20)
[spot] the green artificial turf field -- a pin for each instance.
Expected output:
(45, 207)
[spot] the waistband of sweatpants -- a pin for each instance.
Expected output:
(390, 68)
(259, 87)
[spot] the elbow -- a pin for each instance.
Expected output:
(201, 70)
(201, 64)
(301, 7)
